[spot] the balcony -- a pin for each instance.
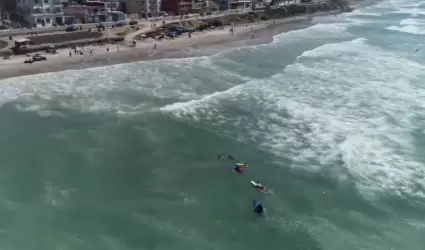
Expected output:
(185, 3)
(58, 11)
(240, 1)
(97, 13)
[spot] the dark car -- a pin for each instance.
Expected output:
(120, 24)
(133, 22)
(171, 34)
(70, 28)
(38, 57)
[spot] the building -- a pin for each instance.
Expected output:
(40, 13)
(280, 3)
(8, 9)
(177, 7)
(134, 6)
(110, 5)
(143, 7)
(94, 13)
(151, 7)
(240, 4)
(199, 6)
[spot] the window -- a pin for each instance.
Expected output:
(36, 1)
(38, 10)
(58, 9)
(47, 10)
(47, 20)
(39, 20)
(46, 1)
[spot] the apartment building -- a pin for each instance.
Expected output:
(8, 9)
(177, 7)
(151, 7)
(40, 13)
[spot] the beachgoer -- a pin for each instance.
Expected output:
(220, 157)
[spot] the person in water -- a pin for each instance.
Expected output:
(220, 157)
(258, 208)
(260, 186)
(230, 157)
(240, 167)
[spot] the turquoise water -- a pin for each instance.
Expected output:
(330, 118)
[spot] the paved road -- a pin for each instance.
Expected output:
(17, 32)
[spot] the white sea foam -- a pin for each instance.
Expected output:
(324, 108)
(90, 90)
(317, 31)
(414, 26)
(412, 29)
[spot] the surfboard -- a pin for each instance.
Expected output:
(254, 183)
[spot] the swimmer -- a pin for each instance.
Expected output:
(258, 208)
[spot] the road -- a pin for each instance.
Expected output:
(20, 32)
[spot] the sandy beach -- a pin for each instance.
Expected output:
(201, 43)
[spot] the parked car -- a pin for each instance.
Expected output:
(120, 24)
(171, 34)
(29, 60)
(100, 26)
(38, 57)
(70, 28)
(133, 22)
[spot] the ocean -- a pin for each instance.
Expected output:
(330, 118)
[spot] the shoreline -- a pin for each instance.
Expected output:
(201, 44)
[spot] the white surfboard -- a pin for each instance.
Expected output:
(254, 183)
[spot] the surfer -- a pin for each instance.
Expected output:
(220, 157)
(260, 186)
(258, 208)
(240, 167)
(230, 157)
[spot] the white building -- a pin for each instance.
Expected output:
(240, 4)
(151, 6)
(40, 13)
(287, 3)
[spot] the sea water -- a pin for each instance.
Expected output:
(330, 118)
